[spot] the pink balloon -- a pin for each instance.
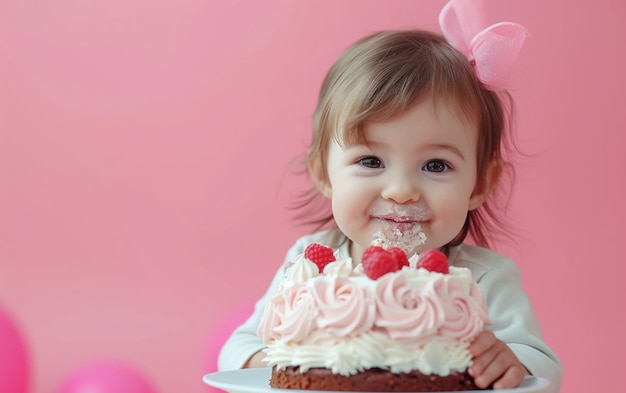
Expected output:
(14, 368)
(106, 377)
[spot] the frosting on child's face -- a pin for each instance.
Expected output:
(400, 225)
(416, 173)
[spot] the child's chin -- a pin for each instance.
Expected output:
(407, 236)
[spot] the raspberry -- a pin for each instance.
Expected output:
(372, 252)
(377, 262)
(433, 261)
(400, 256)
(319, 255)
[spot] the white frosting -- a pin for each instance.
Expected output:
(339, 268)
(400, 225)
(408, 241)
(357, 353)
(301, 271)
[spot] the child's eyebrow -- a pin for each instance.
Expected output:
(449, 147)
(356, 143)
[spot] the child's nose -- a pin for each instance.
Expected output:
(401, 189)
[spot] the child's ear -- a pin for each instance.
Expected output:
(484, 186)
(318, 174)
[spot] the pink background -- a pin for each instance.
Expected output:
(144, 193)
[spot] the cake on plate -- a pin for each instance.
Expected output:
(387, 324)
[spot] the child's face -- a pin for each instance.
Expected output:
(418, 169)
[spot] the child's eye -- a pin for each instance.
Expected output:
(437, 166)
(371, 162)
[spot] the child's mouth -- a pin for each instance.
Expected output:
(385, 210)
(401, 224)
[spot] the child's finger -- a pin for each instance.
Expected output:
(483, 342)
(511, 378)
(496, 367)
(489, 366)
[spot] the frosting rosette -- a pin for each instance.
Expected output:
(344, 307)
(301, 270)
(340, 267)
(290, 315)
(465, 314)
(407, 314)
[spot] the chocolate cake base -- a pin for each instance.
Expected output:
(372, 380)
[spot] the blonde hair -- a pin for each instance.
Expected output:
(385, 74)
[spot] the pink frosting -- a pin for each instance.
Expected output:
(465, 316)
(406, 314)
(344, 307)
(339, 307)
(289, 315)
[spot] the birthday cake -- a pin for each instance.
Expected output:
(387, 324)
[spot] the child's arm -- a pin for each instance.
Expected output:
(243, 349)
(243, 345)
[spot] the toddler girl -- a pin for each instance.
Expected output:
(407, 142)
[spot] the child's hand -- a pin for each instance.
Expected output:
(494, 362)
(256, 361)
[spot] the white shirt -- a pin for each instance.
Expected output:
(512, 318)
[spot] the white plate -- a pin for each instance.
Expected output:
(256, 380)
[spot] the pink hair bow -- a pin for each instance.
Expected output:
(492, 50)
